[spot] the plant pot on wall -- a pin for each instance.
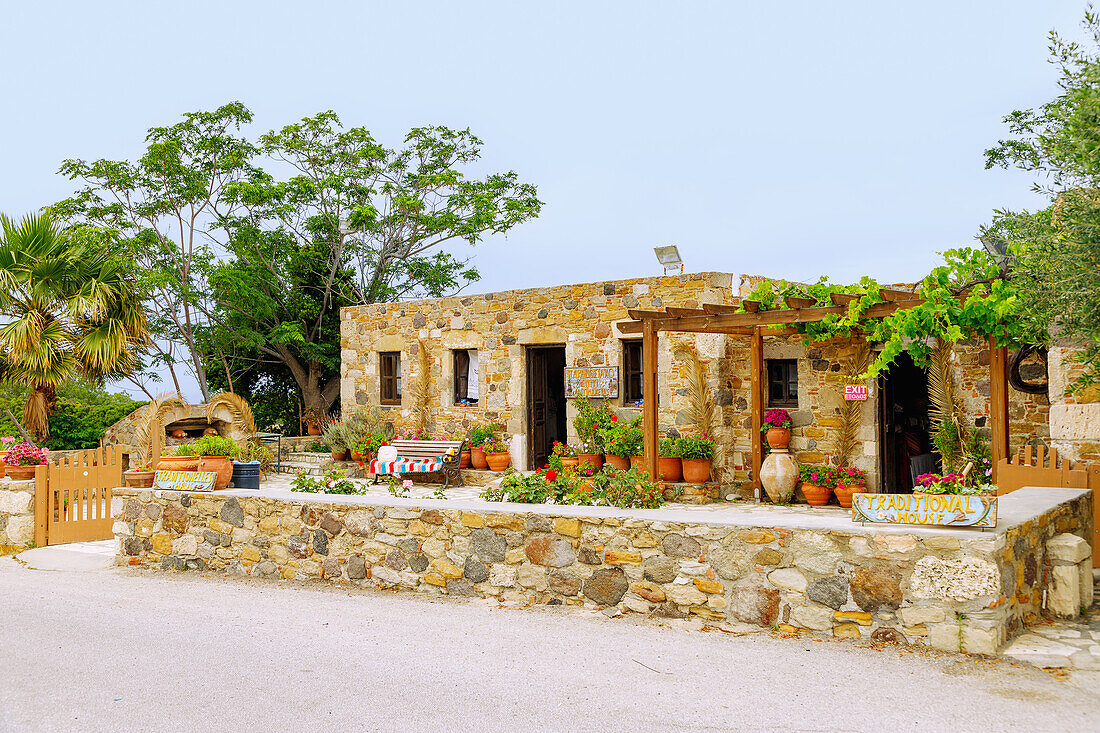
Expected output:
(637, 463)
(178, 463)
(464, 460)
(220, 465)
(596, 459)
(477, 459)
(339, 455)
(817, 495)
(844, 493)
(670, 468)
(696, 470)
(21, 473)
(498, 461)
(778, 437)
(313, 428)
(138, 479)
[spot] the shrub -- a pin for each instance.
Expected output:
(335, 481)
(776, 418)
(698, 449)
(183, 449)
(669, 448)
(213, 445)
(817, 475)
(481, 432)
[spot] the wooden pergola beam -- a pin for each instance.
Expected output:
(649, 399)
(843, 298)
(686, 312)
(720, 309)
(736, 322)
(794, 302)
(756, 387)
(998, 403)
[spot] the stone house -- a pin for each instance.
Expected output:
(502, 356)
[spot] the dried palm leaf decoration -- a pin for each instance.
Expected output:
(422, 396)
(700, 400)
(848, 435)
(147, 426)
(944, 407)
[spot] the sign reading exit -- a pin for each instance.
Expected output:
(855, 392)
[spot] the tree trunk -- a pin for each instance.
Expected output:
(41, 403)
(318, 400)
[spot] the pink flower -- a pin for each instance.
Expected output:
(7, 440)
(406, 484)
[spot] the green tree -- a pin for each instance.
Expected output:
(164, 205)
(1056, 251)
(355, 222)
(71, 309)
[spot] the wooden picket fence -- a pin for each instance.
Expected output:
(72, 496)
(1042, 467)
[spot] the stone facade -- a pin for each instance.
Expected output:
(950, 589)
(16, 513)
(1074, 417)
(582, 318)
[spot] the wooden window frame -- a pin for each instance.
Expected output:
(783, 382)
(632, 367)
(457, 383)
(389, 384)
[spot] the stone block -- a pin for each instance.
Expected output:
(607, 586)
(755, 605)
(567, 527)
(976, 640)
(15, 502)
(502, 575)
(649, 591)
(847, 631)
(817, 618)
(1064, 600)
(917, 615)
(551, 551)
(1068, 548)
(20, 529)
(945, 636)
(621, 557)
(709, 586)
(956, 579)
(815, 552)
(446, 568)
(858, 617)
(532, 576)
(788, 579)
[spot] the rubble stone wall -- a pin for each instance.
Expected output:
(948, 589)
(16, 512)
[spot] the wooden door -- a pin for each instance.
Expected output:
(545, 402)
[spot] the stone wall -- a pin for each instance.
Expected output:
(1074, 416)
(950, 589)
(16, 512)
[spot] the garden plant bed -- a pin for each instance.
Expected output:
(772, 566)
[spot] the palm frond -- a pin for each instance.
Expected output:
(238, 407)
(700, 400)
(422, 395)
(850, 417)
(944, 407)
(147, 425)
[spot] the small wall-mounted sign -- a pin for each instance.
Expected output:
(591, 382)
(951, 510)
(855, 391)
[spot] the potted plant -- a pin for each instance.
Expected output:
(590, 451)
(696, 455)
(216, 456)
(6, 441)
(21, 460)
(496, 453)
(849, 481)
(315, 420)
(336, 438)
(562, 457)
(478, 435)
(367, 450)
(616, 444)
(817, 484)
(669, 465)
(934, 483)
(181, 458)
(140, 477)
(591, 420)
(777, 427)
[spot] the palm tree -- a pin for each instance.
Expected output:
(69, 308)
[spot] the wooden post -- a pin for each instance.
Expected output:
(756, 386)
(998, 403)
(649, 397)
(41, 487)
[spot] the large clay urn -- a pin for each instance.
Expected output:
(221, 465)
(477, 458)
(779, 475)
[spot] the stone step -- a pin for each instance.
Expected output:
(316, 458)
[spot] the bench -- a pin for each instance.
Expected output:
(184, 480)
(420, 456)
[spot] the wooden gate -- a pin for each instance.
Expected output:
(72, 498)
(1040, 467)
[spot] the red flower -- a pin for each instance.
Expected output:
(595, 426)
(614, 418)
(551, 475)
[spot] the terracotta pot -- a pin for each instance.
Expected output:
(844, 494)
(637, 462)
(670, 468)
(779, 437)
(477, 459)
(212, 432)
(498, 461)
(178, 463)
(221, 465)
(779, 475)
(2, 464)
(696, 470)
(339, 456)
(179, 434)
(596, 459)
(816, 495)
(464, 459)
(21, 473)
(620, 462)
(570, 462)
(138, 479)
(313, 428)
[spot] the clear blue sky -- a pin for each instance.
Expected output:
(789, 139)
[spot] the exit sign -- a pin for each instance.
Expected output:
(855, 392)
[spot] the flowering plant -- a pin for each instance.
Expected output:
(621, 439)
(368, 448)
(698, 449)
(25, 454)
(776, 418)
(494, 444)
(822, 476)
(409, 434)
(850, 476)
(589, 445)
(560, 451)
(933, 483)
(335, 481)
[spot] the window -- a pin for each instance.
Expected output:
(632, 372)
(783, 382)
(389, 367)
(465, 385)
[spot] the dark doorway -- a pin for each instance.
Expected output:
(906, 448)
(545, 402)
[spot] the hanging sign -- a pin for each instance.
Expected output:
(950, 510)
(855, 391)
(591, 382)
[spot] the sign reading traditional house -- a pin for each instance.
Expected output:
(591, 382)
(855, 391)
(949, 510)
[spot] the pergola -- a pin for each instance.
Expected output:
(752, 321)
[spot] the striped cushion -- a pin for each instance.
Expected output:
(185, 480)
(407, 465)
